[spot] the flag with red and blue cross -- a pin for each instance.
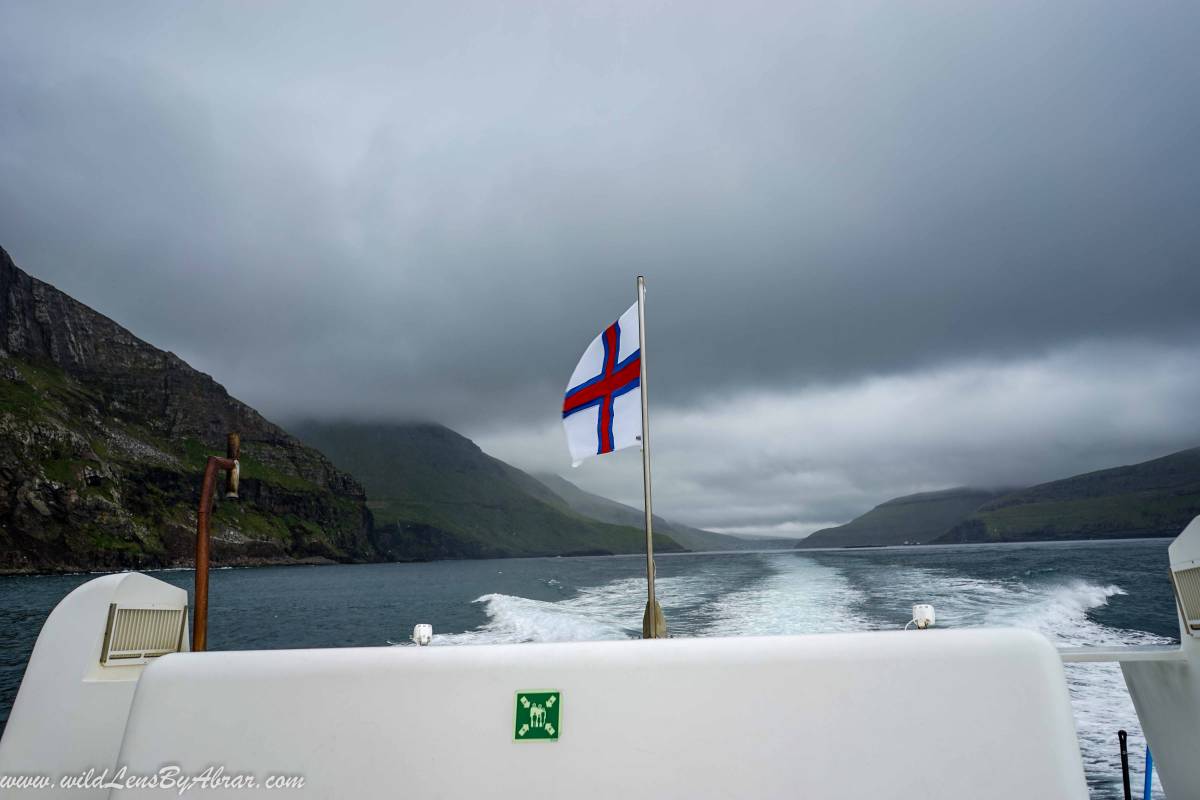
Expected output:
(602, 410)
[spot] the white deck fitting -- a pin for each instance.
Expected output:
(1166, 693)
(937, 715)
(70, 711)
(1148, 652)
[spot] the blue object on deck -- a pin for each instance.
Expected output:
(1149, 775)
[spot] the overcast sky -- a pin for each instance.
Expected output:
(889, 247)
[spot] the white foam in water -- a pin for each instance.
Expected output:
(803, 595)
(611, 611)
(800, 596)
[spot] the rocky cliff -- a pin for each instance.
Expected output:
(103, 438)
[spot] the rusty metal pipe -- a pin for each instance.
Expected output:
(230, 465)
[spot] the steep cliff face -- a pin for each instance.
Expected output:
(102, 440)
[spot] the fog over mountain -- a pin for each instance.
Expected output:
(890, 248)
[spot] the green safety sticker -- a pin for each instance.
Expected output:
(538, 717)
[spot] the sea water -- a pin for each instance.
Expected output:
(1079, 593)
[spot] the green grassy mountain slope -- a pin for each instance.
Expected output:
(1154, 498)
(103, 439)
(605, 510)
(912, 519)
(435, 494)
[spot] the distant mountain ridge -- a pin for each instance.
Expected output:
(605, 510)
(1154, 498)
(435, 494)
(911, 519)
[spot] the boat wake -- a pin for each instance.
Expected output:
(806, 594)
(798, 596)
(610, 611)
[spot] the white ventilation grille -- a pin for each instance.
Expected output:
(1187, 589)
(134, 635)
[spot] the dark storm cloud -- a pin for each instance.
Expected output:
(409, 211)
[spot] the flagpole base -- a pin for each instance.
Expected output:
(660, 622)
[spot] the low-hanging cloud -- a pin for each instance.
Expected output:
(384, 211)
(789, 463)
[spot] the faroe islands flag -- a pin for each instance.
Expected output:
(602, 411)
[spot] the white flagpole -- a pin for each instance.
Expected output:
(653, 619)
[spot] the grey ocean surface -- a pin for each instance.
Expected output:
(1102, 593)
